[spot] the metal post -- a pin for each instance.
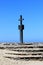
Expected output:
(21, 27)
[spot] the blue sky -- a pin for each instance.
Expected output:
(32, 11)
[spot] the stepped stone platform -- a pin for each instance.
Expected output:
(30, 51)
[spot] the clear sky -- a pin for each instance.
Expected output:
(32, 11)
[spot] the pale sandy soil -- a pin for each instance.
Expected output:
(6, 61)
